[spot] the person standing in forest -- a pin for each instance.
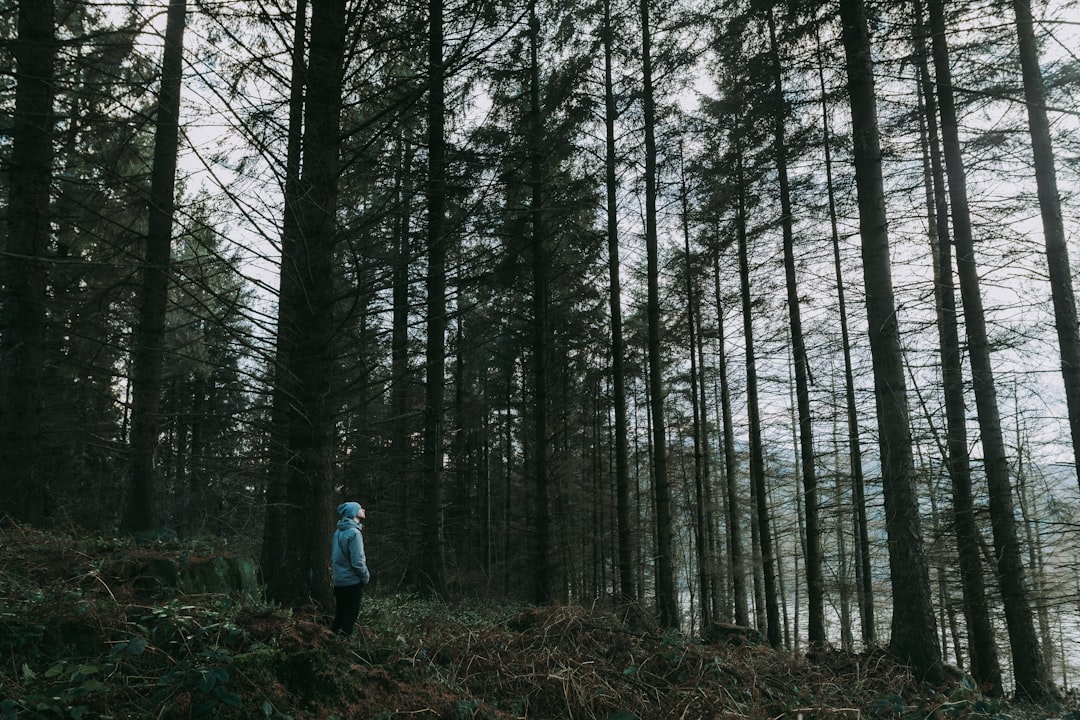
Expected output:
(349, 567)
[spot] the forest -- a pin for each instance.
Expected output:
(711, 313)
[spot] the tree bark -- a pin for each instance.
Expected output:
(666, 592)
(141, 502)
(863, 577)
(432, 572)
(702, 514)
(815, 594)
(736, 552)
(627, 590)
(542, 591)
(914, 635)
(400, 447)
(983, 650)
(757, 451)
(1028, 669)
(711, 525)
(308, 525)
(1029, 514)
(1057, 249)
(23, 492)
(283, 391)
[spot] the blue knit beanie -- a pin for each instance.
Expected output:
(349, 509)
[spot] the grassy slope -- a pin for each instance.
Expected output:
(87, 630)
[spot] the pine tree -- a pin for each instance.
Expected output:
(22, 273)
(913, 625)
(302, 574)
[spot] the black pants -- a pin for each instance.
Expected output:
(347, 608)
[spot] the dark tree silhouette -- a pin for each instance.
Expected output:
(914, 637)
(141, 502)
(22, 270)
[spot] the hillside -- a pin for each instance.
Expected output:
(93, 628)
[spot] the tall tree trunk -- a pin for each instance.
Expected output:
(711, 529)
(706, 469)
(702, 519)
(914, 635)
(432, 572)
(847, 637)
(627, 591)
(757, 451)
(982, 647)
(542, 591)
(863, 577)
(946, 611)
(487, 529)
(1057, 249)
(283, 392)
(1028, 669)
(815, 594)
(23, 492)
(199, 498)
(508, 462)
(400, 448)
(308, 525)
(736, 553)
(666, 591)
(141, 502)
(1029, 513)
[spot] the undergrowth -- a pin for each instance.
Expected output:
(83, 635)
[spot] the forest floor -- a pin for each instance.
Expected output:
(89, 630)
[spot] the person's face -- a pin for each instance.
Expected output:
(361, 515)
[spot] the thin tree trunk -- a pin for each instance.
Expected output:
(197, 505)
(181, 421)
(627, 591)
(141, 502)
(23, 492)
(847, 638)
(799, 550)
(666, 592)
(785, 616)
(283, 392)
(432, 572)
(461, 486)
(487, 530)
(757, 451)
(982, 647)
(598, 487)
(712, 549)
(542, 590)
(701, 517)
(737, 555)
(1036, 560)
(815, 594)
(760, 620)
(863, 577)
(914, 637)
(508, 460)
(1057, 249)
(1031, 680)
(400, 448)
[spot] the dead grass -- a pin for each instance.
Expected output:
(87, 631)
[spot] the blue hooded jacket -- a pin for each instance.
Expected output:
(347, 556)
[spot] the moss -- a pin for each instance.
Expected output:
(160, 572)
(311, 675)
(259, 667)
(219, 574)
